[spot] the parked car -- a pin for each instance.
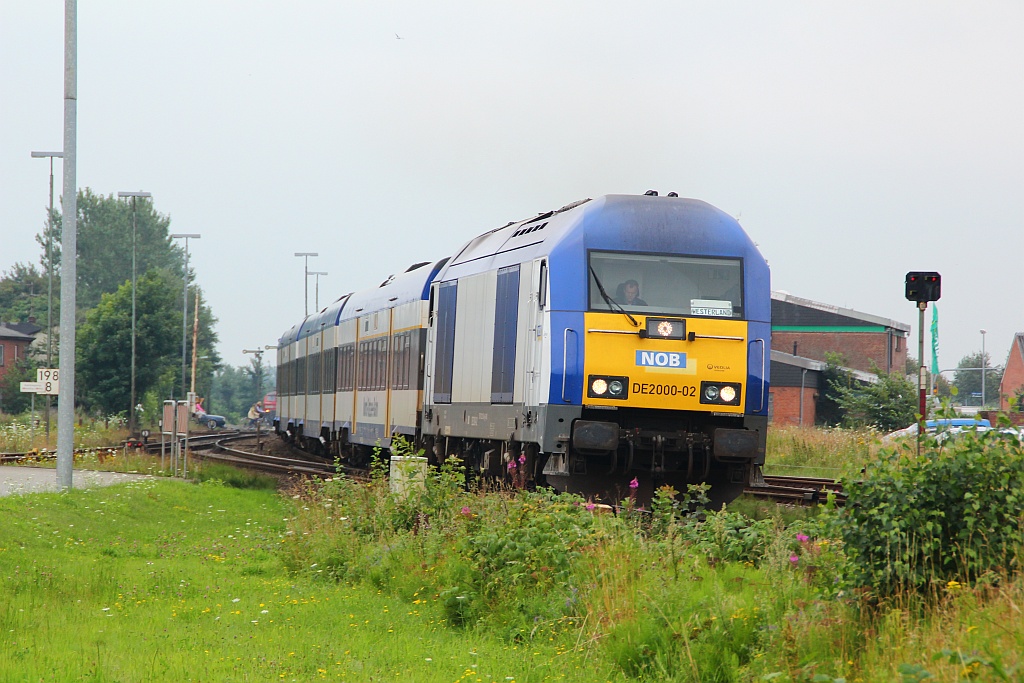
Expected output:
(207, 420)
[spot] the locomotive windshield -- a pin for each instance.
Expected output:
(661, 284)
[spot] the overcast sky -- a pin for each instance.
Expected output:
(855, 141)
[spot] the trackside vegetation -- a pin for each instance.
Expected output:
(917, 578)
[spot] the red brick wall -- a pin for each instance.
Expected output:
(858, 348)
(1013, 377)
(786, 405)
(12, 350)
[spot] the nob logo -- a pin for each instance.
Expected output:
(661, 359)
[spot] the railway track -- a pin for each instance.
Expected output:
(798, 490)
(229, 447)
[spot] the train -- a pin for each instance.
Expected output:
(606, 348)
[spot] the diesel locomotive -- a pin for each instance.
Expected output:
(617, 341)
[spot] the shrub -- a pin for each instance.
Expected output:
(954, 511)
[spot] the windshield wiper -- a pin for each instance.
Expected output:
(611, 302)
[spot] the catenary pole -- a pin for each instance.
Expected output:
(49, 280)
(69, 252)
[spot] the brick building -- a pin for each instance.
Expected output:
(804, 331)
(1013, 374)
(811, 329)
(14, 342)
(797, 383)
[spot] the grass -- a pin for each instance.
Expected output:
(819, 452)
(166, 580)
(340, 580)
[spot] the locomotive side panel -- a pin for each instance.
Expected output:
(474, 339)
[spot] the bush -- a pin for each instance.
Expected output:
(952, 512)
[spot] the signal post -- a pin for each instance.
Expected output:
(922, 287)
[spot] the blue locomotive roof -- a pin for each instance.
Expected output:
(643, 223)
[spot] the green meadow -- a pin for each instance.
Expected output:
(225, 578)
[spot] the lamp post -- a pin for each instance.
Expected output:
(184, 303)
(135, 227)
(49, 279)
(305, 281)
(316, 299)
(983, 369)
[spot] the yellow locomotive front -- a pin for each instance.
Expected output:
(667, 370)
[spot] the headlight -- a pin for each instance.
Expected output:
(720, 393)
(607, 386)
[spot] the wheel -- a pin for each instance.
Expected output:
(211, 424)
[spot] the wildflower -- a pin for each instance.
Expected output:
(803, 538)
(466, 512)
(793, 559)
(522, 459)
(634, 484)
(511, 465)
(591, 506)
(953, 585)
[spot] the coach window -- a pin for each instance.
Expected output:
(506, 318)
(542, 294)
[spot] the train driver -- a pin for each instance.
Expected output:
(628, 294)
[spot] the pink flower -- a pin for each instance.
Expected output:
(793, 559)
(511, 465)
(591, 506)
(466, 512)
(522, 459)
(634, 484)
(803, 538)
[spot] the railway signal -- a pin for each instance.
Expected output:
(923, 287)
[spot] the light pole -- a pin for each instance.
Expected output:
(316, 299)
(135, 226)
(305, 281)
(49, 279)
(184, 303)
(983, 369)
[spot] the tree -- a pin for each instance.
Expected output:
(12, 400)
(828, 411)
(23, 294)
(890, 404)
(229, 394)
(968, 381)
(105, 244)
(104, 342)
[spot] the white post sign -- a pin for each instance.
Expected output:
(48, 379)
(46, 383)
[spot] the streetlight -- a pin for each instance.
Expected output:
(983, 369)
(49, 279)
(135, 226)
(184, 300)
(305, 282)
(316, 300)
